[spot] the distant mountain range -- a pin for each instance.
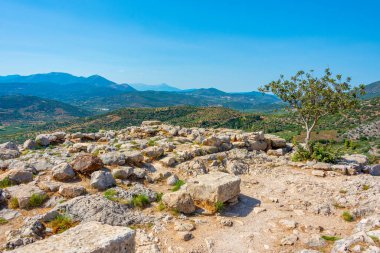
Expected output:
(158, 87)
(98, 94)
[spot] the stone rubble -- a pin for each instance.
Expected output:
(183, 190)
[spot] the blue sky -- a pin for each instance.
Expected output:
(231, 45)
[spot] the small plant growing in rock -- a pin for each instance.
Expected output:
(61, 223)
(219, 206)
(3, 221)
(36, 200)
(141, 201)
(178, 185)
(110, 194)
(159, 196)
(366, 187)
(6, 182)
(151, 143)
(13, 203)
(161, 206)
(347, 216)
(375, 239)
(330, 238)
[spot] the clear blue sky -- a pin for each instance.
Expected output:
(231, 45)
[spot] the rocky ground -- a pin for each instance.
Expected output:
(161, 188)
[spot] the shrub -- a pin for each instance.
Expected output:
(13, 203)
(3, 221)
(347, 216)
(6, 182)
(178, 185)
(325, 153)
(140, 201)
(301, 154)
(61, 223)
(36, 200)
(219, 206)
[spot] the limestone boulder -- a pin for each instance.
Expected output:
(134, 157)
(86, 164)
(6, 154)
(42, 140)
(63, 172)
(206, 190)
(98, 208)
(180, 201)
(153, 152)
(375, 170)
(102, 180)
(90, 237)
(18, 176)
(23, 193)
(275, 141)
(71, 191)
(122, 172)
(113, 158)
(356, 159)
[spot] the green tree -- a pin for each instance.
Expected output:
(310, 98)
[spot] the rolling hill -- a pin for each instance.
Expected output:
(252, 101)
(372, 90)
(29, 109)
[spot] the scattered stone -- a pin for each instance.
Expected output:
(113, 158)
(122, 173)
(71, 191)
(23, 193)
(289, 240)
(18, 176)
(102, 180)
(29, 144)
(86, 164)
(180, 201)
(290, 224)
(172, 180)
(168, 161)
(184, 226)
(226, 222)
(318, 173)
(185, 236)
(63, 172)
(42, 140)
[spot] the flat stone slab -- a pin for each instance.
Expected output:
(208, 189)
(23, 193)
(89, 237)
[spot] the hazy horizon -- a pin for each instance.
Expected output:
(189, 44)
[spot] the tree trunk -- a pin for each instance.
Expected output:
(307, 140)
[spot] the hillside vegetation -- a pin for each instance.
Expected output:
(29, 109)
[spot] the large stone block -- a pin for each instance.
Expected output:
(90, 237)
(206, 190)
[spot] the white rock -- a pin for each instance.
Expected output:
(90, 237)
